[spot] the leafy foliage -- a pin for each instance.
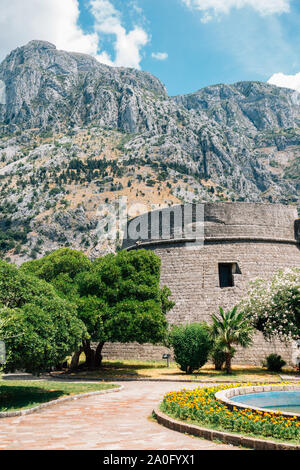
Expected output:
(133, 304)
(191, 344)
(39, 328)
(217, 355)
(118, 297)
(231, 328)
(61, 266)
(273, 307)
(275, 363)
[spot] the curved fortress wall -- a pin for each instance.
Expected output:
(232, 244)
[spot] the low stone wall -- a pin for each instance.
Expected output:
(149, 352)
(134, 351)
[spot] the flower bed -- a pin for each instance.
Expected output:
(201, 407)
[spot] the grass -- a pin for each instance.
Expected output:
(23, 394)
(158, 370)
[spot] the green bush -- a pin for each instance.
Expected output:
(191, 344)
(218, 356)
(274, 363)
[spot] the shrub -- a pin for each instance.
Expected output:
(191, 344)
(218, 356)
(274, 363)
(231, 328)
(273, 307)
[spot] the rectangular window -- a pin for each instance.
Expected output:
(226, 271)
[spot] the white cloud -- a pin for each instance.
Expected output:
(127, 45)
(159, 55)
(56, 21)
(286, 81)
(49, 20)
(217, 7)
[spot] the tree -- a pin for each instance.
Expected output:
(38, 327)
(273, 307)
(231, 328)
(118, 297)
(191, 344)
(62, 269)
(218, 355)
(131, 302)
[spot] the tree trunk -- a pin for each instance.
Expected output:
(75, 359)
(228, 363)
(98, 355)
(89, 355)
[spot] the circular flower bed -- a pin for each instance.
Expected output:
(201, 407)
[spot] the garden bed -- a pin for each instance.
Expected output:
(200, 407)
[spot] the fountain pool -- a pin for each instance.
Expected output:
(285, 401)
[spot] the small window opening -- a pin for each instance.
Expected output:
(226, 272)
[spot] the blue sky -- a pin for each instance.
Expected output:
(188, 44)
(240, 45)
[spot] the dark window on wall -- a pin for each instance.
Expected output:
(226, 274)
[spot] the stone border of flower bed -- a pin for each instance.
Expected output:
(28, 411)
(227, 396)
(227, 438)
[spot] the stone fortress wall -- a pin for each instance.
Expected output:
(248, 240)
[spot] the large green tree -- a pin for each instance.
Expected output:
(132, 304)
(62, 269)
(118, 297)
(38, 327)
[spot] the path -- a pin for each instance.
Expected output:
(107, 422)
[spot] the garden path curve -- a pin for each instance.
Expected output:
(115, 421)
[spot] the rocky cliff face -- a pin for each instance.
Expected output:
(76, 134)
(47, 87)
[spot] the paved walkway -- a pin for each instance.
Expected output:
(113, 421)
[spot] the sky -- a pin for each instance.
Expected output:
(187, 44)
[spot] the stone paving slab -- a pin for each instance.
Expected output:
(117, 421)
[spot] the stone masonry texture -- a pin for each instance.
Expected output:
(259, 238)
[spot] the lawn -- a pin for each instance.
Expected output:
(22, 394)
(147, 369)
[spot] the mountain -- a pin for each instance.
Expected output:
(76, 134)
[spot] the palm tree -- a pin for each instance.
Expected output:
(231, 328)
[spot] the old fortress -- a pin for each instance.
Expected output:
(209, 254)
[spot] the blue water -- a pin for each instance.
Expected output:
(281, 401)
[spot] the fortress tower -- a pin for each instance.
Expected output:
(209, 254)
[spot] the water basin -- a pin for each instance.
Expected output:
(286, 401)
